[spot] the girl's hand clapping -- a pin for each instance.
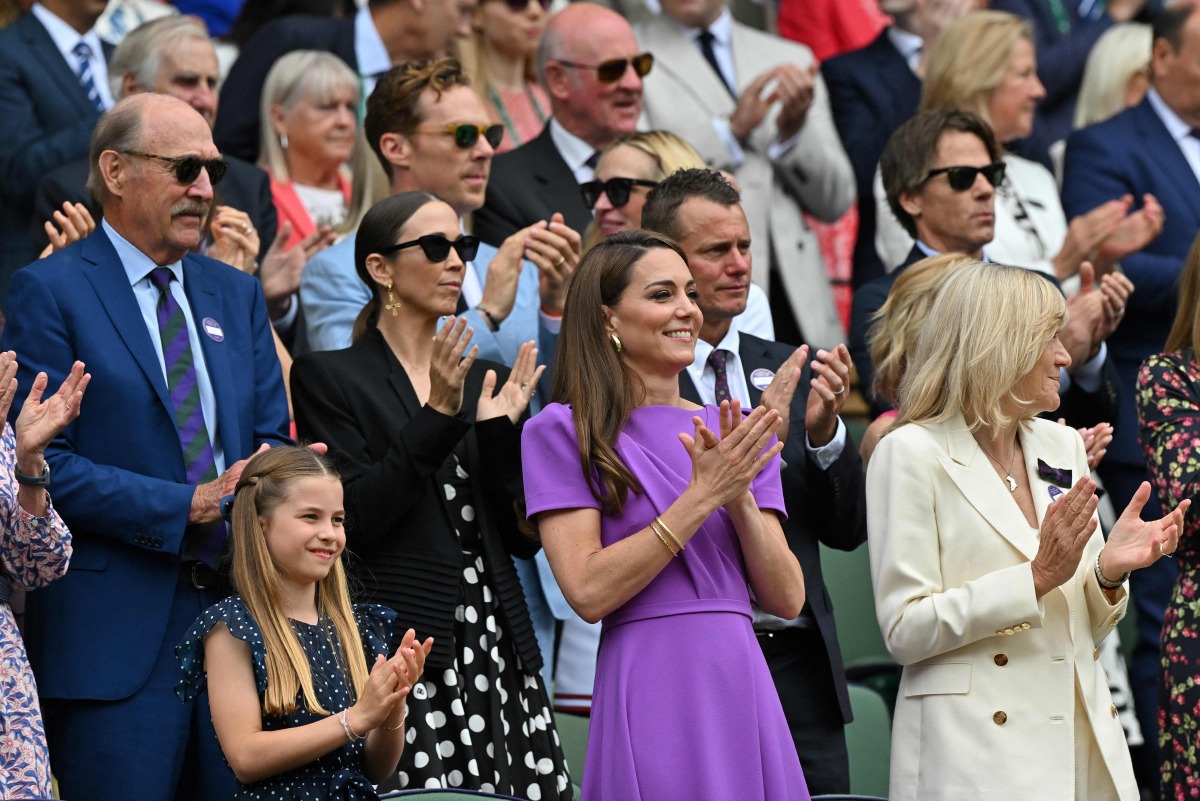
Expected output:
(390, 681)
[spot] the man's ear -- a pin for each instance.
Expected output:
(397, 149)
(558, 82)
(114, 172)
(129, 85)
(912, 203)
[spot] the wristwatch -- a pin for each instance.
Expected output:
(34, 481)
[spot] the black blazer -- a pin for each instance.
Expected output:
(245, 187)
(526, 185)
(388, 448)
(872, 92)
(236, 131)
(824, 506)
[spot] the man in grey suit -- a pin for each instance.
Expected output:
(753, 104)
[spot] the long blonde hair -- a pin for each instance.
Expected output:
(969, 60)
(267, 482)
(986, 330)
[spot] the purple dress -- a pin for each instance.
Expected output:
(684, 706)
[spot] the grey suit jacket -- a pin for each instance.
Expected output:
(684, 95)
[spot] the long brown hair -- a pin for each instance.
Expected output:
(1185, 331)
(267, 482)
(589, 375)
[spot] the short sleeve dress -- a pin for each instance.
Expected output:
(684, 705)
(337, 776)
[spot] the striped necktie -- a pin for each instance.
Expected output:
(83, 52)
(198, 460)
(719, 360)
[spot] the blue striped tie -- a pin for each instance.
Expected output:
(199, 464)
(83, 52)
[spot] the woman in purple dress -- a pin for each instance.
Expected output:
(655, 514)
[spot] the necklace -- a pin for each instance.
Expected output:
(1008, 476)
(494, 96)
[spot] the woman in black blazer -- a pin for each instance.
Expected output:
(428, 444)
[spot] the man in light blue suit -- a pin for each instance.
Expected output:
(185, 386)
(431, 132)
(1149, 149)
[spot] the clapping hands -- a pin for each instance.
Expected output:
(40, 421)
(390, 682)
(726, 466)
(514, 395)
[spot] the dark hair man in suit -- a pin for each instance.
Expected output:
(823, 477)
(190, 386)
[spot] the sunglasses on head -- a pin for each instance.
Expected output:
(612, 71)
(617, 189)
(187, 168)
(437, 246)
(517, 6)
(466, 135)
(963, 178)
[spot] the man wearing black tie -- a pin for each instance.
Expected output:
(822, 479)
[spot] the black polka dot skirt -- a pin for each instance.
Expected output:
(484, 723)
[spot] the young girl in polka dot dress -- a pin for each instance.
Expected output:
(298, 710)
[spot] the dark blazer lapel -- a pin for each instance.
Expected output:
(1167, 155)
(892, 71)
(551, 171)
(205, 300)
(108, 279)
(51, 60)
(396, 376)
(688, 388)
(755, 356)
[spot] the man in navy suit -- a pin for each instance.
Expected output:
(146, 525)
(383, 34)
(823, 479)
(874, 90)
(1148, 149)
(53, 87)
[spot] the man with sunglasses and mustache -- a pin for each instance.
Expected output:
(754, 104)
(940, 172)
(592, 68)
(188, 386)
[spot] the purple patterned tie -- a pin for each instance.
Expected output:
(718, 360)
(199, 464)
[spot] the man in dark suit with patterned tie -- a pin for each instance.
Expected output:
(53, 87)
(823, 479)
(180, 347)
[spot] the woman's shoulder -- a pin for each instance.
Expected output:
(1184, 360)
(375, 627)
(552, 417)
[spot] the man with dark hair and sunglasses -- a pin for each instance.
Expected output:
(940, 172)
(187, 386)
(755, 105)
(590, 63)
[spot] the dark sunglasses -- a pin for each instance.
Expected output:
(611, 71)
(617, 189)
(187, 168)
(437, 246)
(963, 178)
(466, 135)
(517, 6)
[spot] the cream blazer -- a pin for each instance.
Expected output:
(987, 698)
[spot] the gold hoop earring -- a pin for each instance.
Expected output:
(616, 342)
(393, 305)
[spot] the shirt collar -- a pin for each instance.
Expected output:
(731, 342)
(1176, 127)
(908, 44)
(574, 151)
(721, 29)
(136, 263)
(928, 251)
(369, 50)
(65, 37)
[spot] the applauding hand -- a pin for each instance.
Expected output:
(725, 467)
(448, 366)
(513, 397)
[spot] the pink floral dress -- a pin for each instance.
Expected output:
(1168, 406)
(33, 551)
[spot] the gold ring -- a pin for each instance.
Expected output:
(561, 259)
(246, 229)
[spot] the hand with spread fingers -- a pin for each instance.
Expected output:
(448, 365)
(779, 393)
(831, 378)
(235, 241)
(513, 398)
(1134, 543)
(74, 222)
(726, 466)
(282, 265)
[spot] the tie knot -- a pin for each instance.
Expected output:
(705, 37)
(82, 51)
(160, 277)
(719, 358)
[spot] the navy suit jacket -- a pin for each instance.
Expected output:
(1132, 153)
(872, 92)
(526, 185)
(824, 506)
(237, 128)
(118, 470)
(48, 121)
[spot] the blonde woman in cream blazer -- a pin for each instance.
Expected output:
(996, 619)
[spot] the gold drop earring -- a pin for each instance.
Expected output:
(393, 305)
(616, 342)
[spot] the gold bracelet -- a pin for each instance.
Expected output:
(399, 725)
(670, 533)
(663, 540)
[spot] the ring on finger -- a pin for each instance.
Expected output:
(840, 390)
(561, 259)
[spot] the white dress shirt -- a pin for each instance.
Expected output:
(574, 151)
(1179, 130)
(65, 38)
(370, 52)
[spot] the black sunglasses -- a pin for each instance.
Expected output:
(466, 135)
(611, 71)
(187, 168)
(617, 189)
(437, 246)
(963, 178)
(517, 6)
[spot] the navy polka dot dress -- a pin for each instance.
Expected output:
(337, 776)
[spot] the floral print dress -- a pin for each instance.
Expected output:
(33, 551)
(1168, 406)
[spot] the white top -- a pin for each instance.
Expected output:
(324, 206)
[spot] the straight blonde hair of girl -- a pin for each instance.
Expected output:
(984, 333)
(969, 59)
(266, 482)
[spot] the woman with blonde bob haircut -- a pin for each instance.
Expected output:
(993, 585)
